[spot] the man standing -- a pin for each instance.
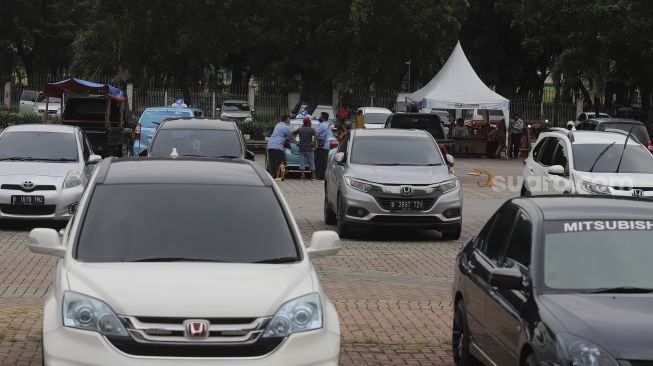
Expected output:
(307, 137)
(515, 135)
(276, 145)
(322, 151)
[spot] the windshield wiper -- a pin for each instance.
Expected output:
(601, 155)
(624, 149)
(58, 159)
(17, 158)
(228, 156)
(173, 259)
(156, 123)
(623, 290)
(278, 260)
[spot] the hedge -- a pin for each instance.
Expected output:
(10, 118)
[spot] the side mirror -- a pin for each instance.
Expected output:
(249, 155)
(46, 242)
(557, 170)
(143, 153)
(507, 278)
(94, 159)
(449, 159)
(323, 244)
(339, 157)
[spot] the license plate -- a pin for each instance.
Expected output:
(406, 205)
(27, 200)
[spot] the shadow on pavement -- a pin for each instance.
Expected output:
(27, 225)
(385, 234)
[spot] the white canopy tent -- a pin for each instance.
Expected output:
(457, 86)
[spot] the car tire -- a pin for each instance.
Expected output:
(452, 234)
(341, 225)
(460, 337)
(530, 360)
(525, 192)
(330, 217)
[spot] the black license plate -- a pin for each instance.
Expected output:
(406, 205)
(27, 200)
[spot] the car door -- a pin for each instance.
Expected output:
(532, 175)
(335, 170)
(542, 165)
(485, 258)
(559, 184)
(503, 308)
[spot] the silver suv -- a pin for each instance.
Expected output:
(392, 177)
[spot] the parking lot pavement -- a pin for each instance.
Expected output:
(391, 287)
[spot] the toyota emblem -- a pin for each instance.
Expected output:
(28, 184)
(638, 193)
(196, 329)
(406, 190)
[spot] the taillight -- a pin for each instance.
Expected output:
(137, 131)
(443, 149)
(333, 144)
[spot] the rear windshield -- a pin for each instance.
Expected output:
(391, 150)
(43, 146)
(235, 107)
(636, 159)
(178, 222)
(426, 122)
(210, 143)
(638, 131)
(376, 118)
(152, 119)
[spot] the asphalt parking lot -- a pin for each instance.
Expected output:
(391, 287)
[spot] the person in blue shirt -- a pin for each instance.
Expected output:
(322, 151)
(276, 145)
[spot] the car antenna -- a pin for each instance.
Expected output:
(624, 150)
(174, 153)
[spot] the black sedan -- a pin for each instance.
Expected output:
(557, 281)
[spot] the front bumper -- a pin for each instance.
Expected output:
(58, 204)
(432, 218)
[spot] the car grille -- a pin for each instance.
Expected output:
(418, 220)
(645, 189)
(386, 202)
(28, 210)
(17, 187)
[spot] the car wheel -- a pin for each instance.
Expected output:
(460, 337)
(530, 360)
(342, 227)
(452, 234)
(525, 192)
(329, 216)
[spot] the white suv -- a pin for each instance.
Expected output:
(588, 162)
(201, 267)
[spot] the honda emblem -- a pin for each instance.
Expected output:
(196, 329)
(406, 190)
(638, 193)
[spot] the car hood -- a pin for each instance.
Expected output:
(28, 169)
(620, 323)
(192, 289)
(399, 174)
(622, 180)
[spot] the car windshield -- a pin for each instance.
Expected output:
(636, 159)
(590, 255)
(210, 143)
(376, 118)
(235, 107)
(41, 98)
(35, 145)
(153, 118)
(185, 222)
(392, 150)
(638, 131)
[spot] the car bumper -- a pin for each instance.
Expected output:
(437, 217)
(71, 347)
(58, 204)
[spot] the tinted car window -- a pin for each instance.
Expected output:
(390, 150)
(34, 145)
(235, 107)
(427, 122)
(638, 130)
(636, 159)
(204, 222)
(153, 118)
(345, 142)
(519, 247)
(375, 118)
(538, 149)
(211, 143)
(546, 155)
(559, 157)
(497, 236)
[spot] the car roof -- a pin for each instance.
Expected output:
(569, 207)
(594, 137)
(235, 101)
(186, 171)
(375, 110)
(42, 128)
(615, 120)
(398, 132)
(172, 109)
(198, 124)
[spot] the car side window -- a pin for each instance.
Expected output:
(546, 155)
(496, 239)
(86, 150)
(591, 126)
(345, 142)
(519, 246)
(560, 156)
(538, 148)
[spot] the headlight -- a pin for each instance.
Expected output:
(73, 179)
(360, 185)
(594, 187)
(298, 315)
(448, 186)
(576, 351)
(88, 313)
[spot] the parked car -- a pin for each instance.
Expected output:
(151, 119)
(291, 150)
(373, 117)
(587, 115)
(638, 129)
(53, 105)
(588, 162)
(236, 110)
(389, 177)
(400, 103)
(556, 281)
(423, 121)
(180, 277)
(204, 137)
(27, 100)
(43, 171)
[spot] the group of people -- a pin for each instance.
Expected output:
(313, 146)
(496, 136)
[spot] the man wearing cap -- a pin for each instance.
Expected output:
(276, 145)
